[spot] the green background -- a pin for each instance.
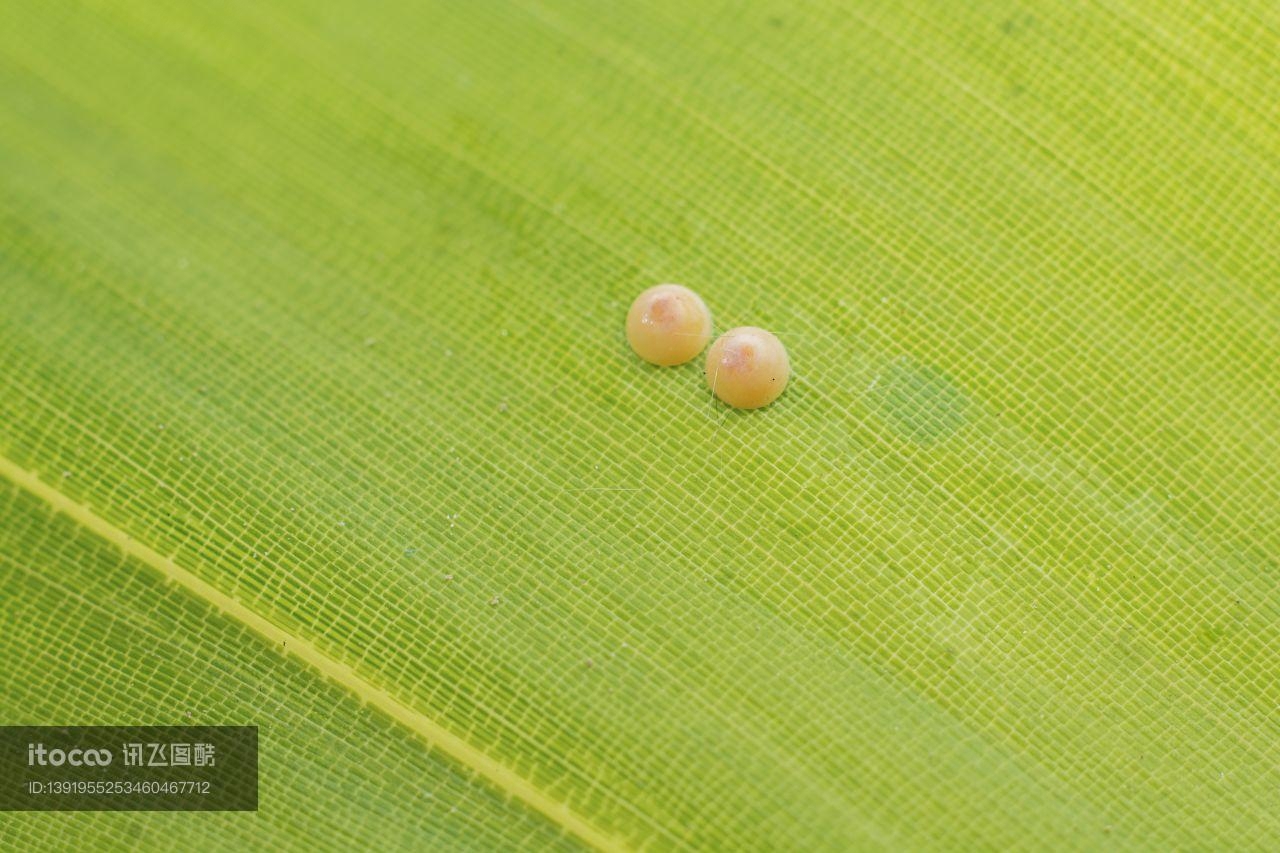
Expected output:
(325, 300)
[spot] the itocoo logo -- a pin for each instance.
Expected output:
(38, 754)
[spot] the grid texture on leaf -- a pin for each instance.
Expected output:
(326, 302)
(92, 638)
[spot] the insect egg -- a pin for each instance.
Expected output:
(747, 367)
(668, 324)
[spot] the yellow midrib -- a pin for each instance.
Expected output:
(430, 732)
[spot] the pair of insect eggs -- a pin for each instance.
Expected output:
(669, 324)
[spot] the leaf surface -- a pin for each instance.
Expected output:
(311, 333)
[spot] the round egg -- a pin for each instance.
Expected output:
(747, 367)
(668, 324)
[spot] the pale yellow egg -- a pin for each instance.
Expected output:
(748, 367)
(668, 324)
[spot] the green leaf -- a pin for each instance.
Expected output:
(318, 415)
